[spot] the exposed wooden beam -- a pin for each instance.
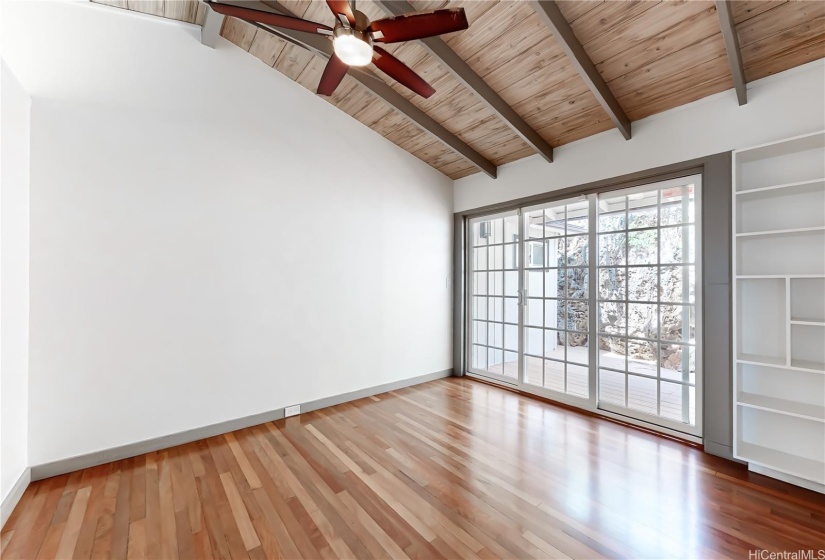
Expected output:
(552, 17)
(322, 46)
(211, 28)
(731, 39)
(466, 75)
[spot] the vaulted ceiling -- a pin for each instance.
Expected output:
(649, 56)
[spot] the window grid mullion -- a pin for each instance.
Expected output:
(658, 307)
(563, 302)
(626, 291)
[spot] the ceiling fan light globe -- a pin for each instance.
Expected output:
(352, 50)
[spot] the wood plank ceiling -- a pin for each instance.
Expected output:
(653, 55)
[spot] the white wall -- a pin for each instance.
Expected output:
(780, 106)
(14, 280)
(209, 240)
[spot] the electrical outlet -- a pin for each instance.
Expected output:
(292, 410)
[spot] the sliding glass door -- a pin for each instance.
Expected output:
(647, 303)
(593, 301)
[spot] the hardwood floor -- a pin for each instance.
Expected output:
(452, 468)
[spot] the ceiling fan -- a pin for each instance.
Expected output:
(353, 38)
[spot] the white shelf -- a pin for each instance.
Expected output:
(781, 146)
(782, 406)
(787, 463)
(796, 365)
(779, 306)
(760, 360)
(778, 187)
(780, 231)
(789, 276)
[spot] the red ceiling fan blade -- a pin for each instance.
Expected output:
(342, 8)
(418, 26)
(401, 73)
(333, 74)
(268, 18)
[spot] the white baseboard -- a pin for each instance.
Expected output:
(10, 502)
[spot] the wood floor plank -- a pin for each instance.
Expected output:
(137, 540)
(4, 541)
(248, 534)
(48, 548)
(152, 497)
(276, 502)
(211, 521)
(448, 469)
(106, 512)
(68, 540)
(227, 529)
(97, 477)
(243, 461)
(168, 523)
(120, 521)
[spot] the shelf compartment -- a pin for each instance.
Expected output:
(791, 408)
(791, 253)
(761, 335)
(809, 469)
(797, 160)
(808, 346)
(793, 207)
(782, 390)
(785, 443)
(808, 299)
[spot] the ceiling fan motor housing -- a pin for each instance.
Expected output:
(353, 45)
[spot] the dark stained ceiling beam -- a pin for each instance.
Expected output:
(552, 17)
(322, 46)
(731, 39)
(466, 75)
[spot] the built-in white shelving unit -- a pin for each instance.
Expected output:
(779, 309)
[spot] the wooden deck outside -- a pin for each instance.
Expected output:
(641, 392)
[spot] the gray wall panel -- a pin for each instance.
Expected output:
(716, 220)
(717, 373)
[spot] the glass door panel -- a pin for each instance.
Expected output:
(647, 303)
(493, 305)
(556, 297)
